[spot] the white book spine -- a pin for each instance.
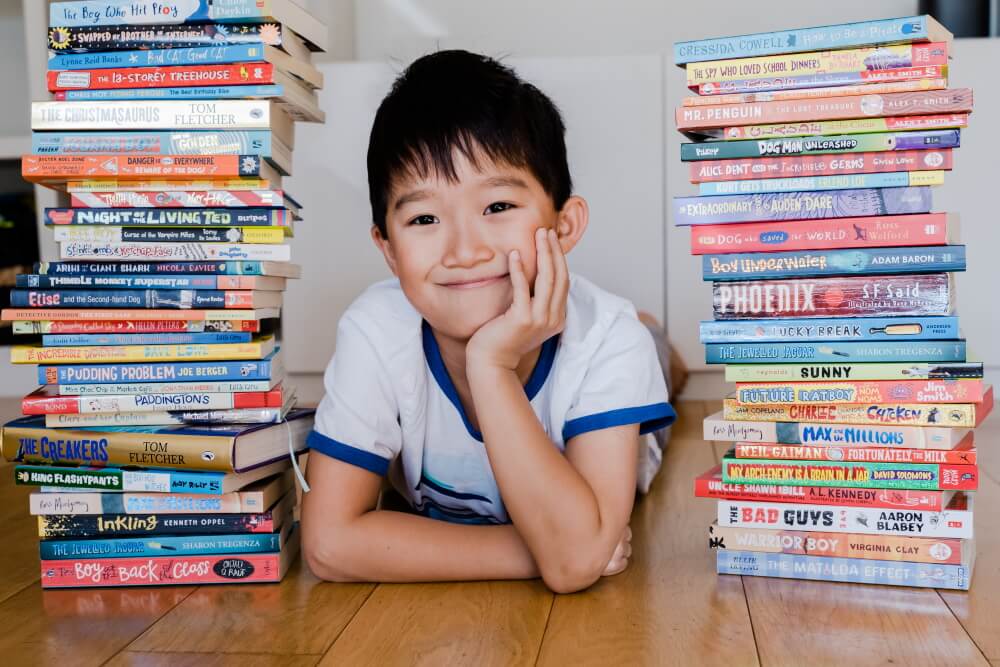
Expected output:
(832, 435)
(152, 115)
(164, 418)
(164, 388)
(157, 252)
(153, 402)
(837, 519)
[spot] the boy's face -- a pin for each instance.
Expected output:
(449, 241)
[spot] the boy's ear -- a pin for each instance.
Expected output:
(385, 248)
(572, 222)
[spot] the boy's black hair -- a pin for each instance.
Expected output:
(459, 100)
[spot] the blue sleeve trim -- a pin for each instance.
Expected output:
(649, 417)
(338, 450)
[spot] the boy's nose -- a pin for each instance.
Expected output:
(466, 247)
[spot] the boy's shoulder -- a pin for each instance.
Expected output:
(593, 313)
(384, 317)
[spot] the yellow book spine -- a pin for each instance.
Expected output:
(952, 415)
(935, 177)
(152, 185)
(913, 85)
(798, 64)
(95, 234)
(29, 354)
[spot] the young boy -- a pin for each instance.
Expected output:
(506, 399)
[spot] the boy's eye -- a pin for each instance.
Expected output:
(497, 207)
(424, 220)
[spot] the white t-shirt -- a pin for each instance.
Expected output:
(391, 408)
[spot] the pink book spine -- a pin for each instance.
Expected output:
(819, 165)
(886, 231)
(161, 571)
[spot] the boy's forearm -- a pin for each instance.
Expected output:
(388, 546)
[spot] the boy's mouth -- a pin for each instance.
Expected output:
(476, 282)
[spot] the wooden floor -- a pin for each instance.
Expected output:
(668, 608)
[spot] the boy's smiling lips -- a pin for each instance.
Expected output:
(475, 282)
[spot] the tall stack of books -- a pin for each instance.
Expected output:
(834, 302)
(164, 432)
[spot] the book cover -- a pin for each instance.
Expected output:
(819, 263)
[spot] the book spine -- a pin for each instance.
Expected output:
(806, 263)
(865, 520)
(164, 388)
(859, 454)
(800, 205)
(79, 13)
(165, 418)
(172, 252)
(123, 403)
(900, 179)
(952, 100)
(833, 435)
(249, 92)
(877, 59)
(106, 234)
(947, 551)
(151, 115)
(134, 327)
(178, 199)
(104, 314)
(710, 98)
(137, 281)
(810, 165)
(851, 296)
(855, 77)
(216, 217)
(143, 58)
(837, 329)
(864, 474)
(211, 338)
(849, 126)
(205, 142)
(161, 571)
(834, 351)
(21, 354)
(952, 415)
(166, 545)
(848, 570)
(883, 31)
(795, 372)
(892, 499)
(95, 268)
(89, 39)
(155, 185)
(122, 525)
(153, 372)
(180, 299)
(45, 168)
(161, 77)
(753, 152)
(117, 479)
(861, 391)
(132, 503)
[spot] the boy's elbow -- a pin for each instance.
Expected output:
(325, 560)
(574, 572)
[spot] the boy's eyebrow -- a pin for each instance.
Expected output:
(505, 181)
(410, 197)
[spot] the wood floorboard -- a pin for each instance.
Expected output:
(668, 607)
(141, 659)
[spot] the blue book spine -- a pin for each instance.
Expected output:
(63, 340)
(230, 268)
(211, 142)
(894, 179)
(81, 13)
(200, 93)
(844, 143)
(160, 372)
(819, 263)
(199, 55)
(167, 217)
(162, 545)
(820, 38)
(179, 299)
(104, 281)
(854, 570)
(836, 329)
(839, 351)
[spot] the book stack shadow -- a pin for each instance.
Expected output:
(164, 432)
(815, 152)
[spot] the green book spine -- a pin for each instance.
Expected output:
(866, 475)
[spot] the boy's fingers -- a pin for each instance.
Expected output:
(544, 278)
(560, 288)
(518, 282)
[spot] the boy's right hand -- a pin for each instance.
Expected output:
(619, 559)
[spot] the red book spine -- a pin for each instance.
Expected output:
(37, 168)
(161, 571)
(161, 77)
(258, 399)
(177, 199)
(819, 165)
(710, 485)
(886, 231)
(953, 100)
(746, 450)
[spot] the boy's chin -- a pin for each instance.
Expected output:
(462, 326)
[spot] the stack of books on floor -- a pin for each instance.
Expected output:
(163, 433)
(853, 455)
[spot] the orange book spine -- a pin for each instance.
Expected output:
(43, 168)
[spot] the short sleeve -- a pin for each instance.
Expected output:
(623, 384)
(357, 421)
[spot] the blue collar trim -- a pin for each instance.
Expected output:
(546, 357)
